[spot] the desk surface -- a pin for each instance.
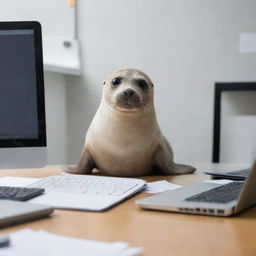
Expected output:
(159, 233)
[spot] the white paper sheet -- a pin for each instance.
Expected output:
(160, 186)
(247, 42)
(27, 242)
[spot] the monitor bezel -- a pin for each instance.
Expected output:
(41, 140)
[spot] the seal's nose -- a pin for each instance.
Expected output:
(128, 93)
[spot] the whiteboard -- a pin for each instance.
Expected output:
(57, 18)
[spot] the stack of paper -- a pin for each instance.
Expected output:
(27, 242)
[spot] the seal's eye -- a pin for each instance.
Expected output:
(142, 84)
(116, 81)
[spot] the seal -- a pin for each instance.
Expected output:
(124, 138)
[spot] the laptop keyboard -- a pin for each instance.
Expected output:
(86, 184)
(221, 194)
(19, 193)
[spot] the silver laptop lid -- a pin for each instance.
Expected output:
(247, 196)
(13, 212)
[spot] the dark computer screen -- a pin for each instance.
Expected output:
(22, 117)
(18, 96)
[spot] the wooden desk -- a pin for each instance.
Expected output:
(159, 233)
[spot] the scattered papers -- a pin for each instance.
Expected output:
(40, 243)
(159, 186)
(222, 181)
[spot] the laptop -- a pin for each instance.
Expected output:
(232, 175)
(13, 212)
(206, 198)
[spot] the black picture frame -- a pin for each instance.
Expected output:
(219, 88)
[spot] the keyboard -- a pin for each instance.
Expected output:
(87, 184)
(221, 194)
(19, 193)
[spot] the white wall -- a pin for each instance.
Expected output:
(56, 121)
(184, 46)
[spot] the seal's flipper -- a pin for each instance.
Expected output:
(163, 161)
(85, 165)
(184, 169)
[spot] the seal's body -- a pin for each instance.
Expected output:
(124, 138)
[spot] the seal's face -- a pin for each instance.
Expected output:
(128, 90)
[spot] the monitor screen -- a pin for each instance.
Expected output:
(22, 116)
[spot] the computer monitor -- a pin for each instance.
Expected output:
(22, 104)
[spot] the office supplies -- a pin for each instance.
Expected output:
(13, 212)
(19, 193)
(206, 198)
(4, 240)
(85, 192)
(22, 108)
(28, 242)
(234, 175)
